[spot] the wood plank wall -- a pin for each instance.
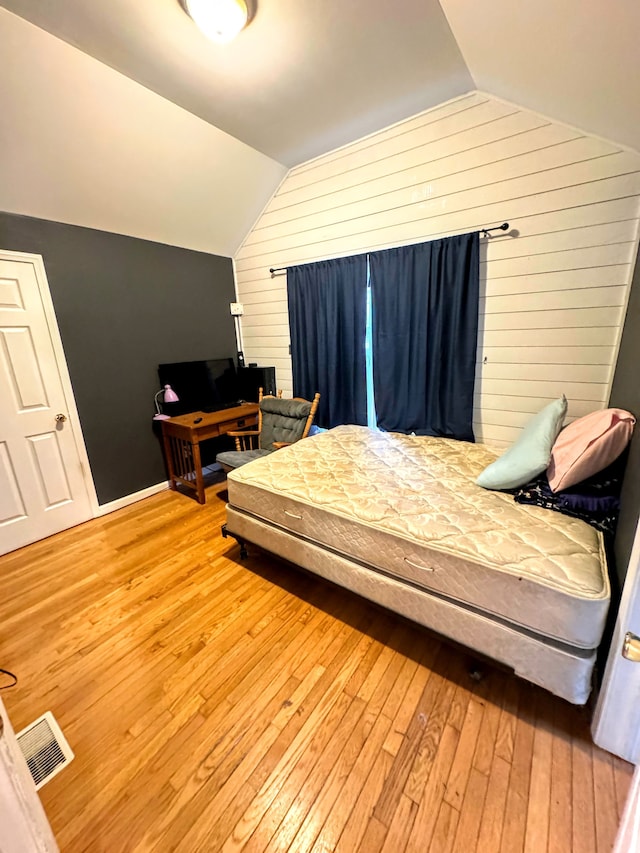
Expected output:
(554, 289)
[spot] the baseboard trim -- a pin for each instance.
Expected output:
(120, 503)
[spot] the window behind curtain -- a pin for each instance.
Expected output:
(327, 319)
(389, 338)
(425, 331)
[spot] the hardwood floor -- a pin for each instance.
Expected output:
(215, 705)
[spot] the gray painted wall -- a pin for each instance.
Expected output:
(625, 394)
(123, 306)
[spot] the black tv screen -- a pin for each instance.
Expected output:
(200, 385)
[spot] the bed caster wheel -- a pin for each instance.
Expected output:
(243, 545)
(475, 673)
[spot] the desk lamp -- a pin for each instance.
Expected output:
(170, 396)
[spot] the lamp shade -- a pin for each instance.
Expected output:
(219, 20)
(169, 396)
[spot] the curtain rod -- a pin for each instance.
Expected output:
(484, 231)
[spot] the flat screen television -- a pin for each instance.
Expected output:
(200, 385)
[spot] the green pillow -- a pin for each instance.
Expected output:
(531, 453)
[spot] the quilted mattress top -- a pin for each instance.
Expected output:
(423, 489)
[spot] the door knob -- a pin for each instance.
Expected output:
(60, 418)
(631, 647)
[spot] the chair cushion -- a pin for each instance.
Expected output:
(282, 420)
(236, 458)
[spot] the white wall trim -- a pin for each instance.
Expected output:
(120, 503)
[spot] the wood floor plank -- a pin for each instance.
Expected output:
(297, 801)
(461, 767)
(298, 752)
(461, 697)
(299, 779)
(584, 824)
(215, 704)
(486, 744)
(114, 793)
(433, 793)
(442, 712)
(403, 820)
(466, 837)
(274, 765)
(407, 754)
(324, 802)
(505, 736)
(538, 811)
(430, 737)
(356, 828)
(326, 690)
(224, 769)
(560, 806)
(374, 837)
(492, 822)
(426, 659)
(356, 683)
(328, 836)
(515, 817)
(623, 773)
(606, 811)
(445, 830)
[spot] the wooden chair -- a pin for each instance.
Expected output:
(280, 422)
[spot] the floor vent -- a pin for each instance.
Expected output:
(45, 748)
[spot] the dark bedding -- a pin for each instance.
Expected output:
(596, 500)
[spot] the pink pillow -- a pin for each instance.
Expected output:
(587, 446)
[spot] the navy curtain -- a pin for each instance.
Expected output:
(425, 330)
(327, 318)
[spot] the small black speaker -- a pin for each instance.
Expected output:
(253, 378)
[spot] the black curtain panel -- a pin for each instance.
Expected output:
(425, 330)
(327, 317)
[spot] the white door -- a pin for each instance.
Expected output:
(24, 825)
(616, 722)
(43, 465)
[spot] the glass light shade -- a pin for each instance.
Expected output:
(219, 20)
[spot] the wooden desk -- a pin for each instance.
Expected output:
(181, 437)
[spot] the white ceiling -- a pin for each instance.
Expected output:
(576, 61)
(301, 79)
(306, 77)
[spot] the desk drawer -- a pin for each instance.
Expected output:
(239, 423)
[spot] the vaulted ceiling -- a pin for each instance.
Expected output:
(304, 78)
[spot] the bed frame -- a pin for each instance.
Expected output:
(559, 668)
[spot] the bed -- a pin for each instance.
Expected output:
(399, 520)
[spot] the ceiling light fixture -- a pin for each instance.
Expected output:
(219, 20)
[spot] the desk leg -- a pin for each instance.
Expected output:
(168, 455)
(198, 472)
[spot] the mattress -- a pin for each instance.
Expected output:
(407, 507)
